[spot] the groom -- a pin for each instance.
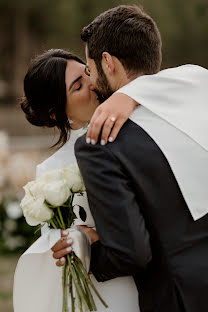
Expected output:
(144, 224)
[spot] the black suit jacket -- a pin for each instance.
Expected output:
(136, 203)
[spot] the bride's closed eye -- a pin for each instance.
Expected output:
(77, 89)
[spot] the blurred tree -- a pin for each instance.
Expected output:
(29, 27)
(183, 25)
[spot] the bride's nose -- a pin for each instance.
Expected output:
(89, 84)
(91, 87)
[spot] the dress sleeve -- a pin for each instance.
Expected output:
(40, 169)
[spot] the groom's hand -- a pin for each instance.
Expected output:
(92, 235)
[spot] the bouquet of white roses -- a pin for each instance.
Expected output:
(49, 199)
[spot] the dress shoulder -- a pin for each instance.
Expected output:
(61, 158)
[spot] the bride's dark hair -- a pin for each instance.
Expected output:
(45, 92)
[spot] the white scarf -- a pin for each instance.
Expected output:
(177, 98)
(178, 95)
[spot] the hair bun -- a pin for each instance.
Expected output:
(35, 116)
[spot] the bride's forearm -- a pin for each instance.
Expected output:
(109, 118)
(123, 99)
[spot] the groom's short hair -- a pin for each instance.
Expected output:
(127, 33)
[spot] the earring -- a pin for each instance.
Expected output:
(70, 121)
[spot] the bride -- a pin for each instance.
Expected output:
(58, 94)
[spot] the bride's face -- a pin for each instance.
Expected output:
(81, 100)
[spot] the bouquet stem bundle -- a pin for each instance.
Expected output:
(75, 279)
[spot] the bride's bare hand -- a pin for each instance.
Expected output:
(62, 248)
(109, 117)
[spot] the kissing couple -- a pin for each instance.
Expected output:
(144, 161)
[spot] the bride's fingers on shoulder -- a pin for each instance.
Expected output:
(107, 128)
(115, 130)
(61, 262)
(94, 117)
(95, 128)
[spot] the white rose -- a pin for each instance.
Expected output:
(34, 210)
(73, 178)
(51, 176)
(56, 192)
(28, 186)
(74, 168)
(34, 188)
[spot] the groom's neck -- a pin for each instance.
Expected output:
(122, 80)
(117, 75)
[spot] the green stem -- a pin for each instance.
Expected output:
(61, 218)
(59, 222)
(90, 282)
(79, 294)
(77, 283)
(38, 229)
(53, 224)
(88, 292)
(85, 298)
(71, 293)
(79, 302)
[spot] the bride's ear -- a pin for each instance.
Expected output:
(108, 63)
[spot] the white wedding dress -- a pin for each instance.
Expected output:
(38, 283)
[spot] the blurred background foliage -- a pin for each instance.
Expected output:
(27, 28)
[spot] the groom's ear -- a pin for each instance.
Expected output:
(108, 63)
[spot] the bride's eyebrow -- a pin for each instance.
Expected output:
(73, 82)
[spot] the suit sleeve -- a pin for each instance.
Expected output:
(123, 248)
